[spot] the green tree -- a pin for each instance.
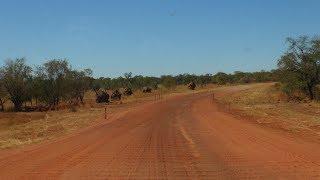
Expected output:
(222, 78)
(96, 86)
(300, 65)
(53, 75)
(168, 82)
(15, 75)
(3, 94)
(78, 83)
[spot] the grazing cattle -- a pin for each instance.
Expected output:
(127, 91)
(116, 95)
(102, 97)
(192, 85)
(146, 90)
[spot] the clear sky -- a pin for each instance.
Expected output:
(154, 37)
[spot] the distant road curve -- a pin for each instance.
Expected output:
(180, 137)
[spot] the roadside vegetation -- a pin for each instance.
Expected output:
(38, 120)
(52, 99)
(43, 87)
(299, 68)
(55, 85)
(268, 105)
(292, 101)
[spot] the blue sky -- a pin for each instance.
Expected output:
(154, 37)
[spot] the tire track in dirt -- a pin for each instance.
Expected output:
(183, 137)
(252, 151)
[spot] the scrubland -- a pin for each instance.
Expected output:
(22, 128)
(266, 104)
(263, 103)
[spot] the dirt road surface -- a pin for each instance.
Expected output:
(182, 137)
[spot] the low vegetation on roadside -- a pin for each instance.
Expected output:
(43, 87)
(267, 104)
(55, 85)
(292, 103)
(53, 98)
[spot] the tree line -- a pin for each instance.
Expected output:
(169, 81)
(55, 81)
(46, 85)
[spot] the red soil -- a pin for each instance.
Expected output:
(180, 137)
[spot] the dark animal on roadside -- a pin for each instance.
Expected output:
(127, 91)
(146, 90)
(102, 97)
(30, 108)
(116, 95)
(192, 85)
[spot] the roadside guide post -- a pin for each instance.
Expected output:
(105, 112)
(212, 96)
(157, 96)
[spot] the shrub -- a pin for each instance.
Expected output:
(300, 67)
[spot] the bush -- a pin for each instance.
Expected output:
(317, 93)
(73, 108)
(299, 66)
(168, 82)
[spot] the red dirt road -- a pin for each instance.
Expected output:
(181, 137)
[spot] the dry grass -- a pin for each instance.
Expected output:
(266, 104)
(139, 96)
(263, 102)
(23, 128)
